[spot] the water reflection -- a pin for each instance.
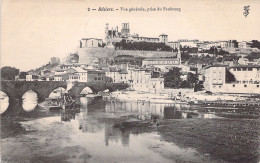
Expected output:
(4, 102)
(30, 101)
(68, 115)
(164, 111)
(76, 133)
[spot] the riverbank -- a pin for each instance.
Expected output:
(177, 96)
(231, 140)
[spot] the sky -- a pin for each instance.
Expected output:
(33, 31)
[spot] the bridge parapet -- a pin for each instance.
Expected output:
(16, 89)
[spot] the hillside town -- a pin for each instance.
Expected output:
(225, 66)
(109, 92)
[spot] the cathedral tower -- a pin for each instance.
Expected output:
(125, 31)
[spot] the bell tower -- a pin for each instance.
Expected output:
(125, 31)
(106, 32)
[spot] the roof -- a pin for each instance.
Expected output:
(96, 72)
(160, 59)
(80, 70)
(217, 65)
(90, 39)
(246, 66)
(145, 37)
(123, 71)
(163, 34)
(174, 42)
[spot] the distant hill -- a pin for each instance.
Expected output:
(48, 66)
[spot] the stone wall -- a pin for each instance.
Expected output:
(87, 54)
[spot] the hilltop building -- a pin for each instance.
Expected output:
(90, 42)
(114, 35)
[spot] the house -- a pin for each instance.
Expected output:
(140, 79)
(245, 44)
(31, 78)
(77, 74)
(90, 42)
(246, 73)
(163, 63)
(96, 76)
(247, 79)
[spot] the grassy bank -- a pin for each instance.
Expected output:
(224, 139)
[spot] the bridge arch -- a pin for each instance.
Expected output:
(39, 95)
(90, 87)
(86, 90)
(30, 100)
(5, 102)
(58, 90)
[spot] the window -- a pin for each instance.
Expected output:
(245, 85)
(238, 69)
(234, 85)
(244, 69)
(250, 69)
(219, 86)
(95, 78)
(257, 86)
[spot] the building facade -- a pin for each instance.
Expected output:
(163, 63)
(90, 42)
(247, 79)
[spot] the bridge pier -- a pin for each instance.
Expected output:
(16, 89)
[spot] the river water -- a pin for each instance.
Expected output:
(90, 135)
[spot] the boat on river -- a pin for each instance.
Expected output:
(58, 103)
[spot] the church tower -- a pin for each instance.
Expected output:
(106, 33)
(125, 31)
(179, 55)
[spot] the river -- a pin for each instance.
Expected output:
(90, 135)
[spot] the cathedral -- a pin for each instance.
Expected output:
(114, 35)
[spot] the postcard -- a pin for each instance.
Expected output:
(130, 81)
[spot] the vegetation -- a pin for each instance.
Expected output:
(185, 56)
(230, 77)
(255, 44)
(235, 43)
(186, 49)
(9, 73)
(121, 59)
(145, 46)
(172, 79)
(22, 75)
(253, 55)
(72, 58)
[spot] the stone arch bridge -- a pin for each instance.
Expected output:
(16, 89)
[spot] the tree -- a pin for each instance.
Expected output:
(9, 73)
(190, 82)
(230, 76)
(22, 75)
(222, 52)
(192, 78)
(185, 56)
(253, 55)
(172, 79)
(235, 43)
(255, 44)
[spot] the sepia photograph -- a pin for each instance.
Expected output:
(130, 81)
